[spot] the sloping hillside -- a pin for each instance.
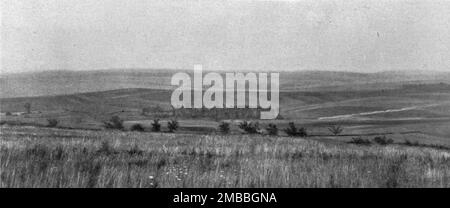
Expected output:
(70, 82)
(309, 98)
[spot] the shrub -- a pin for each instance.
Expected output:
(249, 127)
(8, 113)
(51, 122)
(382, 140)
(172, 125)
(302, 132)
(272, 129)
(360, 141)
(224, 127)
(409, 143)
(137, 127)
(243, 125)
(156, 126)
(336, 130)
(114, 123)
(293, 131)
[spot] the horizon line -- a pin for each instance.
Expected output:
(215, 70)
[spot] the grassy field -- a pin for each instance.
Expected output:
(50, 157)
(80, 152)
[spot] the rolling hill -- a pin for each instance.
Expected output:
(71, 82)
(364, 103)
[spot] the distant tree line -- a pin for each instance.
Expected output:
(213, 113)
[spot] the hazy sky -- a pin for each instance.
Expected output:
(363, 36)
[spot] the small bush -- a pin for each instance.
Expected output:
(272, 129)
(114, 123)
(409, 143)
(293, 131)
(360, 141)
(156, 126)
(137, 127)
(172, 125)
(8, 113)
(249, 127)
(382, 140)
(336, 130)
(224, 127)
(52, 122)
(302, 132)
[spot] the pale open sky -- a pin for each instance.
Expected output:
(363, 36)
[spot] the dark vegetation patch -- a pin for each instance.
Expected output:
(292, 130)
(249, 127)
(137, 127)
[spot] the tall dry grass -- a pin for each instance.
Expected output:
(41, 157)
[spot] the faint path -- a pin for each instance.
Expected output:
(346, 116)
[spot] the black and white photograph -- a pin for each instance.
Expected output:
(222, 94)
